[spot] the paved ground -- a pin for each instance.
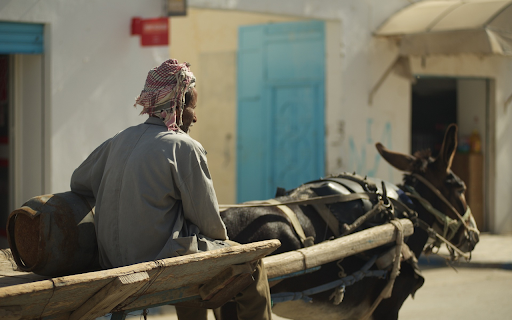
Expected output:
(470, 294)
(481, 289)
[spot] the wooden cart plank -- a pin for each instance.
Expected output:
(10, 313)
(172, 296)
(177, 279)
(328, 251)
(192, 270)
(227, 293)
(9, 276)
(169, 280)
(110, 296)
(184, 275)
(209, 289)
(32, 297)
(69, 296)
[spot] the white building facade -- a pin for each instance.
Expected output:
(373, 91)
(80, 90)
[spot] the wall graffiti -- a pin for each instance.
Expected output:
(358, 161)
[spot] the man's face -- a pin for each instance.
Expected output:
(189, 113)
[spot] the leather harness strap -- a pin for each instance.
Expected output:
(329, 218)
(433, 234)
(303, 202)
(318, 203)
(395, 270)
(442, 198)
(306, 241)
(385, 261)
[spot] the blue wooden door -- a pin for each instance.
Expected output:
(280, 138)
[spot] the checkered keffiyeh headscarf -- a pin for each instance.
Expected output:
(165, 90)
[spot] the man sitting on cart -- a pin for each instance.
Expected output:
(154, 193)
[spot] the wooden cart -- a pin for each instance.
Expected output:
(205, 280)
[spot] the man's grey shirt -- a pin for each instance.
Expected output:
(154, 196)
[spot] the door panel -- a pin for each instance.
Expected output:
(280, 107)
(293, 155)
(295, 60)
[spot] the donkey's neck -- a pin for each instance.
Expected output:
(420, 237)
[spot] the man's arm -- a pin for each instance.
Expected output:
(198, 196)
(86, 178)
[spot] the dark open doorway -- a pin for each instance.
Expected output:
(440, 101)
(434, 107)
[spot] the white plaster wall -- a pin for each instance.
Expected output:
(93, 70)
(471, 107)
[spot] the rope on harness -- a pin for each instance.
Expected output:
(452, 248)
(340, 284)
(395, 271)
(450, 226)
(463, 220)
(378, 208)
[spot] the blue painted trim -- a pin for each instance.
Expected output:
(21, 38)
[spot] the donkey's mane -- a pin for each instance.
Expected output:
(422, 159)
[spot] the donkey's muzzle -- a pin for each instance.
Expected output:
(473, 237)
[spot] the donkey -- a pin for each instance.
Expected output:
(431, 195)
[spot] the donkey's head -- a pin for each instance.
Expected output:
(437, 192)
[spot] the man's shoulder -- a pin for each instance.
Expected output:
(131, 130)
(176, 136)
(181, 140)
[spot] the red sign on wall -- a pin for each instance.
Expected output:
(154, 32)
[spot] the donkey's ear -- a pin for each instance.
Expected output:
(448, 148)
(401, 161)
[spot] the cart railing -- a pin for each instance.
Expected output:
(207, 279)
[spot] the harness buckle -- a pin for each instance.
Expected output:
(338, 295)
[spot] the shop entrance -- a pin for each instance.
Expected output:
(439, 101)
(22, 117)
